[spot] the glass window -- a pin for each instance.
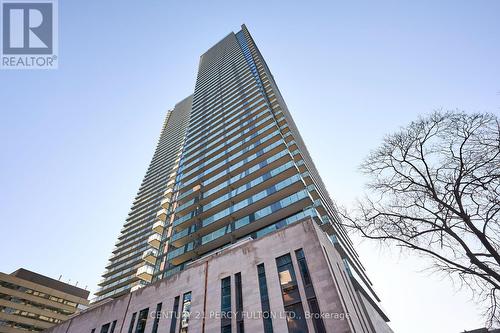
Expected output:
(240, 327)
(319, 326)
(286, 272)
(105, 328)
(290, 292)
(264, 299)
(225, 306)
(304, 271)
(141, 321)
(186, 312)
(296, 318)
(175, 313)
(157, 318)
(132, 322)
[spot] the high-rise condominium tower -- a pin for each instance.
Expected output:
(230, 165)
(141, 225)
(244, 169)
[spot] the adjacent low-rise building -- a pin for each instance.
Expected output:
(291, 279)
(31, 302)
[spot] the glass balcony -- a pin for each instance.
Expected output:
(162, 214)
(318, 204)
(171, 183)
(183, 197)
(150, 256)
(292, 145)
(165, 203)
(154, 240)
(145, 273)
(302, 166)
(307, 178)
(158, 227)
(168, 193)
(286, 210)
(327, 225)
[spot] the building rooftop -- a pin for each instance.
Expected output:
(46, 281)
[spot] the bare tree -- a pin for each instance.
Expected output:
(434, 189)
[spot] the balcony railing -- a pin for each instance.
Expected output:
(162, 214)
(150, 256)
(165, 203)
(168, 192)
(154, 240)
(158, 227)
(171, 183)
(145, 273)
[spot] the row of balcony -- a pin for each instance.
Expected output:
(243, 225)
(145, 272)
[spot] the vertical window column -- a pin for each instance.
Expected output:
(319, 326)
(157, 318)
(175, 313)
(225, 305)
(291, 298)
(186, 312)
(264, 299)
(240, 326)
(105, 328)
(132, 322)
(141, 320)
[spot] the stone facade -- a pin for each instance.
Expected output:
(347, 310)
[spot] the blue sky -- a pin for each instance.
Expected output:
(75, 142)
